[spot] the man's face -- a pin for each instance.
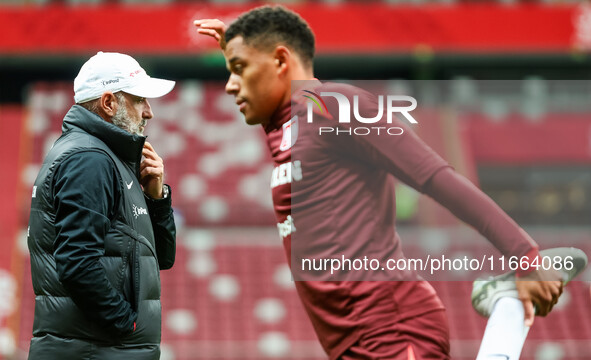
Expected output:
(132, 113)
(254, 81)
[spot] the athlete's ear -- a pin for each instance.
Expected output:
(282, 56)
(108, 105)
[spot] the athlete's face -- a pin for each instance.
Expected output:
(133, 112)
(254, 80)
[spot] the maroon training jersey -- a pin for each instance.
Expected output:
(334, 199)
(333, 196)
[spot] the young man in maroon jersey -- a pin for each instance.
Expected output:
(344, 197)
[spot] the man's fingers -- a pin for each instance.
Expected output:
(209, 22)
(547, 297)
(529, 312)
(542, 293)
(149, 152)
(209, 32)
(213, 24)
(152, 166)
(149, 146)
(151, 163)
(200, 22)
(554, 291)
(544, 306)
(150, 155)
(150, 172)
(560, 288)
(212, 27)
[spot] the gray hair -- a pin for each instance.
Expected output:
(93, 105)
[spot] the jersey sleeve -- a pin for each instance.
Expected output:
(405, 155)
(412, 161)
(475, 208)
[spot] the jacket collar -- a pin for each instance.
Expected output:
(128, 147)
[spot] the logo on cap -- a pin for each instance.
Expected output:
(107, 82)
(134, 73)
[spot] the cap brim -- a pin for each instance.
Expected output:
(151, 88)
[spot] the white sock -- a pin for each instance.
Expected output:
(505, 331)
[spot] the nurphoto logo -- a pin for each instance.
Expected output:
(391, 104)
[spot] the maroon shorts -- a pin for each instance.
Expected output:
(416, 338)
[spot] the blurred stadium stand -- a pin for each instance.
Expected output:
(289, 2)
(527, 143)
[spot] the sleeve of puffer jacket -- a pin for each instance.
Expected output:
(85, 188)
(162, 218)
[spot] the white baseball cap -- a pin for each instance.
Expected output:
(109, 71)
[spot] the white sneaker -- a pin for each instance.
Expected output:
(577, 259)
(485, 293)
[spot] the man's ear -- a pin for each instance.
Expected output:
(282, 56)
(108, 104)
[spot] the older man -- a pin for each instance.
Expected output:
(101, 224)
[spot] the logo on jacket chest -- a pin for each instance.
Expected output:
(138, 210)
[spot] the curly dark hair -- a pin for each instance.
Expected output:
(268, 26)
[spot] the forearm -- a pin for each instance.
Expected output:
(472, 206)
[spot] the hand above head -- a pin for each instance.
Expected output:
(214, 28)
(540, 288)
(152, 172)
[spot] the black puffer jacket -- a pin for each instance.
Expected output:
(97, 244)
